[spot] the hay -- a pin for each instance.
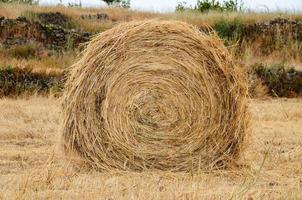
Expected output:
(155, 95)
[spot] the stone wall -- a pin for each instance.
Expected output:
(22, 31)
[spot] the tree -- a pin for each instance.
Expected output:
(118, 3)
(181, 6)
(75, 4)
(227, 5)
(125, 3)
(209, 5)
(206, 5)
(111, 2)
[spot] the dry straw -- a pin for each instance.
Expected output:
(157, 95)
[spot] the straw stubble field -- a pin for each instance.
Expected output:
(31, 167)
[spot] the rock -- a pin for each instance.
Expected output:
(98, 16)
(22, 19)
(54, 18)
(279, 29)
(17, 81)
(102, 16)
(21, 31)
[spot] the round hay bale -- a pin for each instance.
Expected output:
(157, 95)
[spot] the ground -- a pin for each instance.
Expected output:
(31, 166)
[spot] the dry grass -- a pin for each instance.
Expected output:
(44, 63)
(121, 15)
(116, 15)
(155, 95)
(210, 18)
(30, 170)
(250, 54)
(289, 54)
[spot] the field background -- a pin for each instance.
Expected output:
(32, 167)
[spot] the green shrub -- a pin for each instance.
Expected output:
(228, 5)
(125, 4)
(281, 81)
(74, 5)
(229, 30)
(118, 3)
(232, 5)
(206, 5)
(214, 5)
(181, 6)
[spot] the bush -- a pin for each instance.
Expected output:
(228, 5)
(74, 5)
(181, 6)
(16, 81)
(232, 5)
(281, 81)
(125, 4)
(208, 5)
(229, 30)
(118, 3)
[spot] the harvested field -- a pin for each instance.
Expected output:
(31, 169)
(37, 45)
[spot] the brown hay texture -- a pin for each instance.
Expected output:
(155, 95)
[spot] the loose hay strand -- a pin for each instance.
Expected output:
(155, 95)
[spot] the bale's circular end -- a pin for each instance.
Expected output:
(155, 95)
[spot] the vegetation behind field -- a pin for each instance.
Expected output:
(266, 39)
